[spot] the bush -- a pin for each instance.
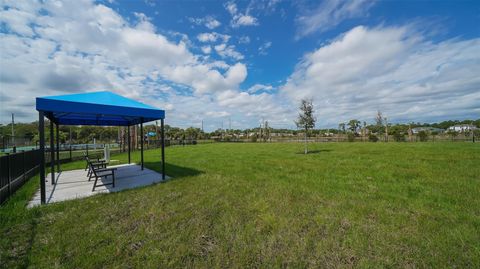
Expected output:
(399, 136)
(372, 138)
(351, 137)
(253, 138)
(423, 136)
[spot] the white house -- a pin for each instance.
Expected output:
(416, 130)
(462, 128)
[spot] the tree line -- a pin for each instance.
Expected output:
(354, 127)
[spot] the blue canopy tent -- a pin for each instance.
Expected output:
(94, 108)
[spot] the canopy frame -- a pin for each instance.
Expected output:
(95, 108)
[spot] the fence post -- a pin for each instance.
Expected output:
(8, 175)
(71, 152)
(24, 170)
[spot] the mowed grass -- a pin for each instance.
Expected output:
(267, 205)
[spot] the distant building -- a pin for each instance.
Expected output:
(462, 128)
(416, 130)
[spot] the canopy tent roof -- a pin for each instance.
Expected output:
(97, 108)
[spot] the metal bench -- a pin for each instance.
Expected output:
(99, 173)
(97, 164)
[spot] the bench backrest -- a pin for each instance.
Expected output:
(92, 168)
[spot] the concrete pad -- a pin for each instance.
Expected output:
(74, 184)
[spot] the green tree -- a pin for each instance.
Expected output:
(192, 133)
(305, 119)
(351, 137)
(353, 125)
(398, 136)
(423, 136)
(452, 134)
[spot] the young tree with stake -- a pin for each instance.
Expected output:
(305, 119)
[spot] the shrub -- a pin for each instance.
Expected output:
(253, 138)
(398, 136)
(351, 137)
(372, 138)
(423, 136)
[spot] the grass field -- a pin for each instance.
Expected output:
(267, 205)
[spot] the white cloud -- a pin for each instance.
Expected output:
(259, 87)
(262, 50)
(18, 21)
(256, 105)
(244, 20)
(212, 37)
(209, 21)
(212, 23)
(228, 51)
(394, 70)
(80, 46)
(329, 14)
(244, 39)
(238, 18)
(206, 49)
(231, 7)
(217, 114)
(220, 47)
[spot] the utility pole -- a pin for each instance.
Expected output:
(202, 126)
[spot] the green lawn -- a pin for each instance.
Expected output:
(267, 205)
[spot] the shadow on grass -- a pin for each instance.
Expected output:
(316, 151)
(172, 170)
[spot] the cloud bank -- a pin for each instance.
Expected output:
(47, 49)
(393, 69)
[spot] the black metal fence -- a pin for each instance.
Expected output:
(15, 170)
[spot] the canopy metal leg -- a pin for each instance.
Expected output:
(129, 139)
(58, 147)
(52, 153)
(163, 148)
(141, 142)
(41, 134)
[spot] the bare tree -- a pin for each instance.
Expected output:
(305, 119)
(386, 129)
(379, 118)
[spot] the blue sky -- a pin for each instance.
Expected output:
(245, 61)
